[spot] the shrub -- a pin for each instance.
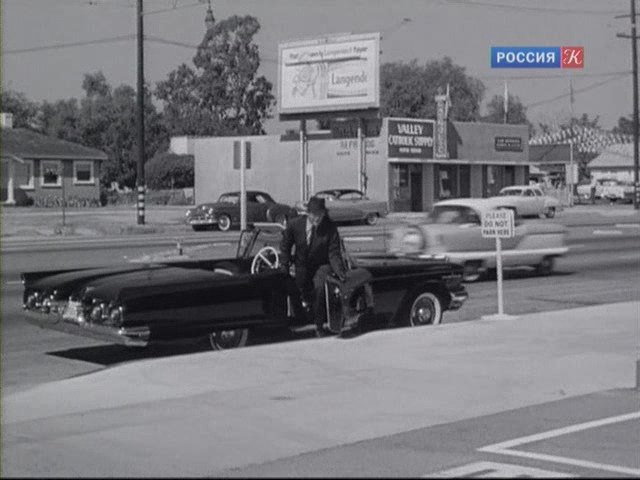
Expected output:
(168, 171)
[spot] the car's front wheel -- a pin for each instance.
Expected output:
(426, 309)
(224, 222)
(227, 339)
(550, 212)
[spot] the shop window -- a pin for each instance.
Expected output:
(51, 173)
(403, 175)
(83, 173)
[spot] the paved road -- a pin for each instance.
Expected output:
(601, 270)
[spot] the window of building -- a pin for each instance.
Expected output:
(51, 173)
(83, 173)
(24, 174)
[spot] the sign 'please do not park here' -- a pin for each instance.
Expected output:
(498, 224)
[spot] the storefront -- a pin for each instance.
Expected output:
(410, 163)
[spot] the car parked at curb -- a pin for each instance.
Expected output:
(192, 295)
(350, 205)
(225, 213)
(527, 200)
(453, 228)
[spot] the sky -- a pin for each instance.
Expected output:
(464, 30)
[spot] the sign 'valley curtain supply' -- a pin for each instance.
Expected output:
(410, 138)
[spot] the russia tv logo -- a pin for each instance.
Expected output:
(537, 57)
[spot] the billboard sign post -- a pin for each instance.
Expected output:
(498, 224)
(242, 161)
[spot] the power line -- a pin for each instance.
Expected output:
(580, 90)
(504, 6)
(69, 45)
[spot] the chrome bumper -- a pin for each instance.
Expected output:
(130, 337)
(202, 221)
(457, 299)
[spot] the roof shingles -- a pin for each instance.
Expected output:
(24, 143)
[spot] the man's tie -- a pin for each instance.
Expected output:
(312, 232)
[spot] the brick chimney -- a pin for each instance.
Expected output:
(6, 120)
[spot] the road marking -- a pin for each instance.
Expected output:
(497, 470)
(358, 239)
(627, 225)
(504, 448)
(607, 232)
(579, 245)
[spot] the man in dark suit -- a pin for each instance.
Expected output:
(317, 254)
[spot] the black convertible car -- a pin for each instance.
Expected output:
(226, 299)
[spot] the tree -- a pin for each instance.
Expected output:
(516, 111)
(169, 170)
(108, 123)
(408, 89)
(625, 126)
(221, 95)
(61, 119)
(24, 111)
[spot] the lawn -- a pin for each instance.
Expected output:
(28, 221)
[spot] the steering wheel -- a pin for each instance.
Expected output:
(262, 260)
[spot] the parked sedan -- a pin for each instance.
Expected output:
(527, 200)
(453, 229)
(225, 213)
(349, 205)
(229, 299)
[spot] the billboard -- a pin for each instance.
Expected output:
(410, 138)
(329, 74)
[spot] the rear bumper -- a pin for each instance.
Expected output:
(130, 337)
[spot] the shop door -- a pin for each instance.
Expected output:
(416, 191)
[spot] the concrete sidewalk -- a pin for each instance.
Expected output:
(204, 413)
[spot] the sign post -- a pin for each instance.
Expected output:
(499, 224)
(242, 161)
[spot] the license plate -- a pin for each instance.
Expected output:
(71, 311)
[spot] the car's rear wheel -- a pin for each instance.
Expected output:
(228, 339)
(472, 271)
(550, 213)
(224, 222)
(371, 219)
(426, 309)
(546, 266)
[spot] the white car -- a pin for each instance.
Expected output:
(453, 230)
(527, 200)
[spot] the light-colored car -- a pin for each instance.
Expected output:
(350, 205)
(453, 230)
(527, 200)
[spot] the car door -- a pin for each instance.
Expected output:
(529, 203)
(540, 201)
(348, 206)
(259, 206)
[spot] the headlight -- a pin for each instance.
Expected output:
(210, 211)
(116, 314)
(33, 301)
(413, 240)
(96, 313)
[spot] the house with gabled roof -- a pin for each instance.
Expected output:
(40, 166)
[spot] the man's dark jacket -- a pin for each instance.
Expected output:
(325, 248)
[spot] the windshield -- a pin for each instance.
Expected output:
(454, 214)
(509, 192)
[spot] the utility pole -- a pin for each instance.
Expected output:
(634, 61)
(140, 117)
